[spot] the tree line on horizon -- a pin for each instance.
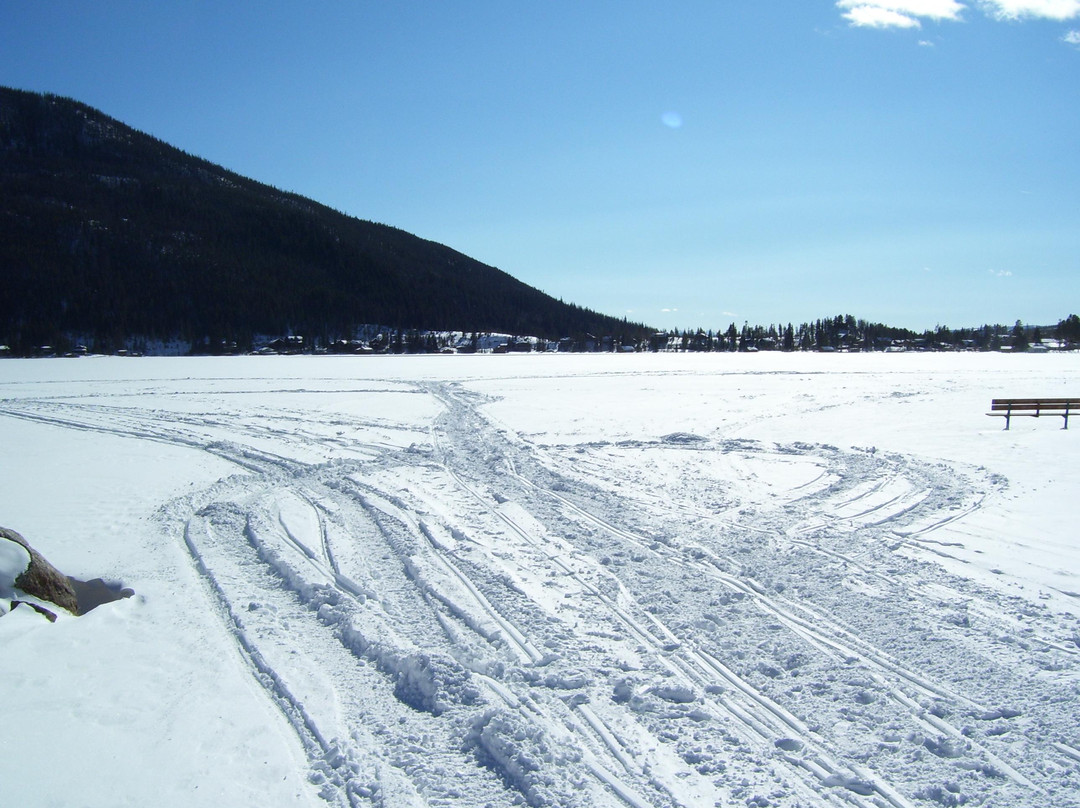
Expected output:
(845, 332)
(840, 333)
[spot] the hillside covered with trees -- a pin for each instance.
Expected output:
(108, 234)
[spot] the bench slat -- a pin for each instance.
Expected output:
(1050, 402)
(1034, 407)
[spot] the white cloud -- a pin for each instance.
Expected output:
(1000, 273)
(911, 13)
(898, 13)
(1073, 37)
(877, 17)
(1046, 9)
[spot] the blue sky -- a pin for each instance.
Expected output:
(914, 162)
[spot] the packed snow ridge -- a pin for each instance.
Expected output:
(14, 559)
(546, 581)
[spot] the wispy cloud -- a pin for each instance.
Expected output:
(1044, 9)
(1073, 38)
(1001, 273)
(912, 13)
(898, 13)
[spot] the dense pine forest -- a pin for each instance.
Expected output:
(108, 234)
(846, 333)
(112, 240)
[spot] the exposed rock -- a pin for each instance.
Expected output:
(41, 579)
(50, 616)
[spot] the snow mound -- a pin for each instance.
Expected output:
(430, 683)
(527, 759)
(14, 560)
(682, 438)
(675, 692)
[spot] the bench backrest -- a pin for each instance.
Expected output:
(1035, 404)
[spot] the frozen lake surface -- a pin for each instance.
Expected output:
(645, 580)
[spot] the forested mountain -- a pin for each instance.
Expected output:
(108, 234)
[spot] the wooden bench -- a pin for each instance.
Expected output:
(1034, 407)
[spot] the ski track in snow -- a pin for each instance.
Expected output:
(456, 616)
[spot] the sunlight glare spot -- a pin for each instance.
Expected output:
(672, 120)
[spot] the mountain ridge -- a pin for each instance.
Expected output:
(111, 234)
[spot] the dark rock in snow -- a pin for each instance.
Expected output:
(48, 615)
(41, 579)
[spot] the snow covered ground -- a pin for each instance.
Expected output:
(645, 580)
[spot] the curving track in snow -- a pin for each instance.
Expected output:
(449, 614)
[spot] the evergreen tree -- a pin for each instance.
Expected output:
(1068, 330)
(1019, 338)
(732, 338)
